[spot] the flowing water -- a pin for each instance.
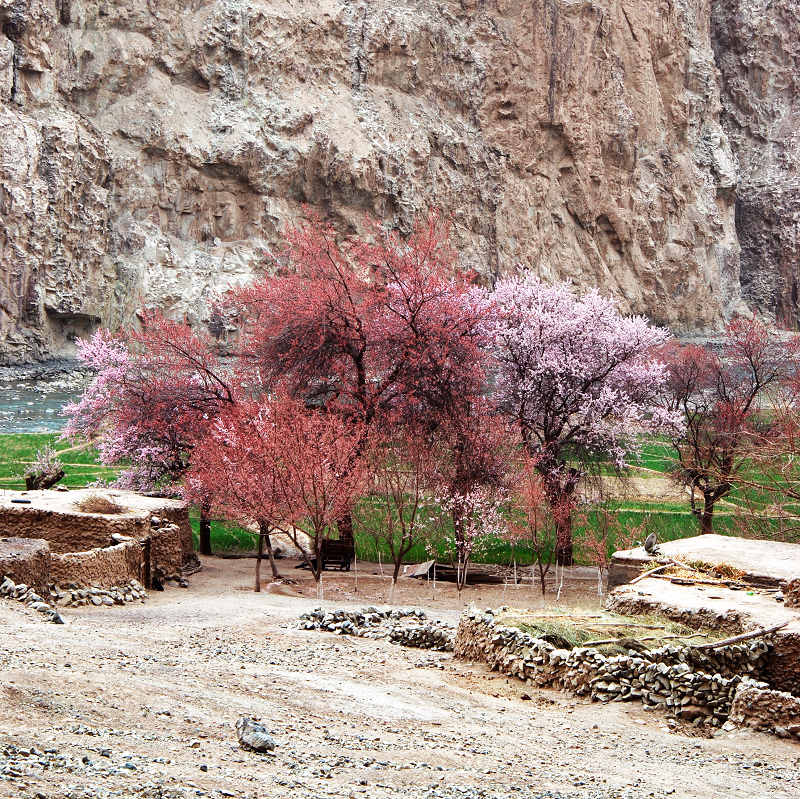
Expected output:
(31, 399)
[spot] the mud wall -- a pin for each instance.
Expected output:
(25, 560)
(70, 531)
(166, 551)
(102, 567)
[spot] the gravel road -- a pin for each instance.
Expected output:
(141, 701)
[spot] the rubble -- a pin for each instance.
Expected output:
(409, 627)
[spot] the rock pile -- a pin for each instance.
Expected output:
(695, 685)
(791, 593)
(404, 626)
(757, 705)
(72, 595)
(22, 593)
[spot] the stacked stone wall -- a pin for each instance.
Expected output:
(690, 683)
(25, 560)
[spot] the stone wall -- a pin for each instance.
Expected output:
(102, 567)
(178, 514)
(755, 705)
(25, 560)
(791, 593)
(69, 530)
(166, 551)
(686, 682)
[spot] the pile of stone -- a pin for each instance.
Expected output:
(75, 596)
(23, 593)
(791, 593)
(697, 685)
(409, 627)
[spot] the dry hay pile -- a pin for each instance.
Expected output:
(605, 631)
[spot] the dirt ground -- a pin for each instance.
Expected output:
(141, 701)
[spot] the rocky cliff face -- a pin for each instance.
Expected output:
(757, 47)
(152, 153)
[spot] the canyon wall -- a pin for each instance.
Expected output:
(153, 153)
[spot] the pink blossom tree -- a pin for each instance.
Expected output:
(579, 380)
(153, 395)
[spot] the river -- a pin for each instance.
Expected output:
(32, 397)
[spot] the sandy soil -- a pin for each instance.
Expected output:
(141, 701)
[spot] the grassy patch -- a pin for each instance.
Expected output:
(573, 629)
(81, 461)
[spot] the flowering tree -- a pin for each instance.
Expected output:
(153, 395)
(45, 471)
(579, 381)
(476, 517)
(722, 398)
(275, 462)
(398, 509)
(472, 481)
(380, 333)
(531, 518)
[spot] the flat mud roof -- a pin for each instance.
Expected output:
(766, 563)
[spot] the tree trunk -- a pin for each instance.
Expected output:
(564, 553)
(395, 575)
(345, 527)
(258, 562)
(707, 518)
(264, 531)
(560, 483)
(205, 531)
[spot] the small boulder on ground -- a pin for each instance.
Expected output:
(254, 735)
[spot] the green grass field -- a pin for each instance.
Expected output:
(18, 450)
(669, 519)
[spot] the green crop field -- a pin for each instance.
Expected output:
(670, 519)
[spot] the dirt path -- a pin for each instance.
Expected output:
(140, 702)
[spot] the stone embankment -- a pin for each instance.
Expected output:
(28, 596)
(409, 627)
(72, 595)
(700, 686)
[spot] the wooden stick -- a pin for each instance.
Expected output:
(627, 624)
(648, 573)
(744, 636)
(649, 638)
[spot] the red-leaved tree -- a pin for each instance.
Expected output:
(380, 333)
(724, 399)
(275, 462)
(399, 505)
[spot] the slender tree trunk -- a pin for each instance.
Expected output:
(258, 562)
(564, 553)
(205, 530)
(395, 575)
(264, 531)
